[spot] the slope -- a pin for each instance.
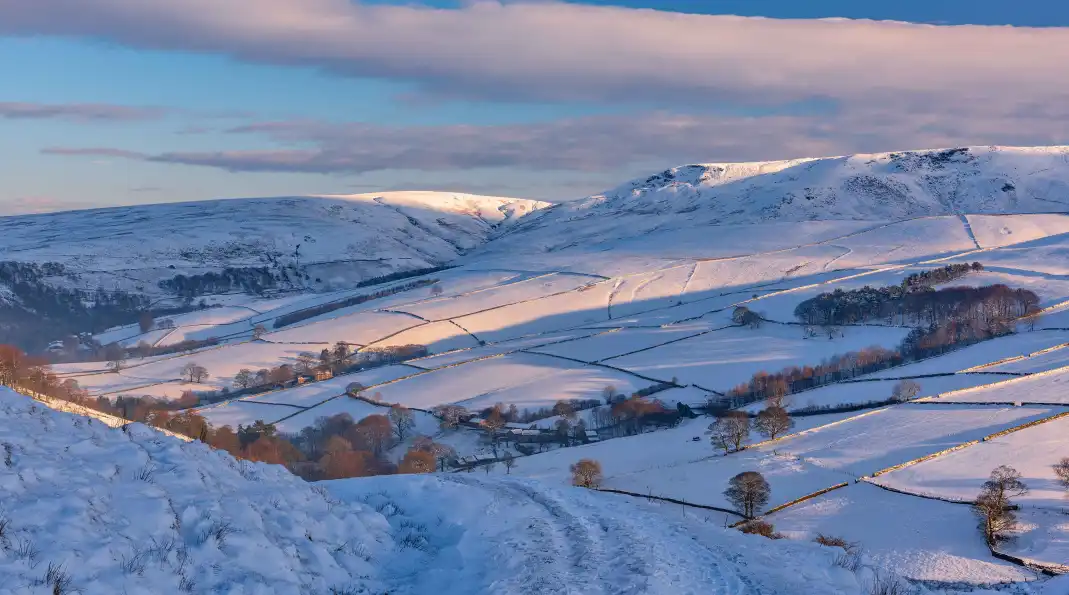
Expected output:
(101, 510)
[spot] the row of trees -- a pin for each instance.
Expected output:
(732, 428)
(764, 385)
(313, 311)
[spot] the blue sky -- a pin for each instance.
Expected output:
(145, 106)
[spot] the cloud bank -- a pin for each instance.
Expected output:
(880, 85)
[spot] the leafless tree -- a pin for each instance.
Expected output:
(905, 390)
(509, 461)
(730, 430)
(773, 422)
(436, 289)
(748, 492)
(194, 372)
(402, 420)
(1061, 469)
(244, 378)
(586, 473)
(258, 331)
(993, 503)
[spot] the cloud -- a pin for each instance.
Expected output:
(79, 111)
(598, 143)
(550, 51)
(93, 152)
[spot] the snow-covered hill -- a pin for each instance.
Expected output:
(867, 187)
(103, 511)
(340, 239)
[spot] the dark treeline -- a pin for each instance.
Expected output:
(37, 310)
(305, 314)
(402, 275)
(918, 305)
(946, 319)
(254, 280)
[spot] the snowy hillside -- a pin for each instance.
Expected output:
(339, 239)
(865, 187)
(102, 511)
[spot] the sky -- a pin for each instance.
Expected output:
(117, 102)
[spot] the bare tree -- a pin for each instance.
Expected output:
(905, 390)
(586, 473)
(509, 461)
(730, 430)
(748, 492)
(402, 420)
(450, 415)
(117, 363)
(306, 362)
(993, 504)
(258, 331)
(1061, 469)
(773, 421)
(436, 289)
(194, 372)
(244, 378)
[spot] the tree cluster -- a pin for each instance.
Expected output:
(254, 280)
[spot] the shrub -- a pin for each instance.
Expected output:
(762, 528)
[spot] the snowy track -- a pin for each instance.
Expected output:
(542, 539)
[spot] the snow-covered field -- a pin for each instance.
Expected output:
(886, 437)
(138, 512)
(643, 280)
(725, 358)
(959, 475)
(1046, 387)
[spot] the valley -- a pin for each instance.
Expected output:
(678, 292)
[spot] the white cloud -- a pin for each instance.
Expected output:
(556, 51)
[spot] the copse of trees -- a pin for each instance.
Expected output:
(989, 308)
(255, 280)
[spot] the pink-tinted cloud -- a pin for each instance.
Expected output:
(79, 111)
(559, 51)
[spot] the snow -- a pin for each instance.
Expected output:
(361, 328)
(973, 356)
(466, 355)
(886, 437)
(564, 311)
(1048, 387)
(921, 539)
(959, 475)
(725, 358)
(245, 413)
(215, 525)
(994, 231)
(313, 393)
(1043, 361)
(521, 379)
(521, 290)
(438, 337)
(852, 393)
(626, 340)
